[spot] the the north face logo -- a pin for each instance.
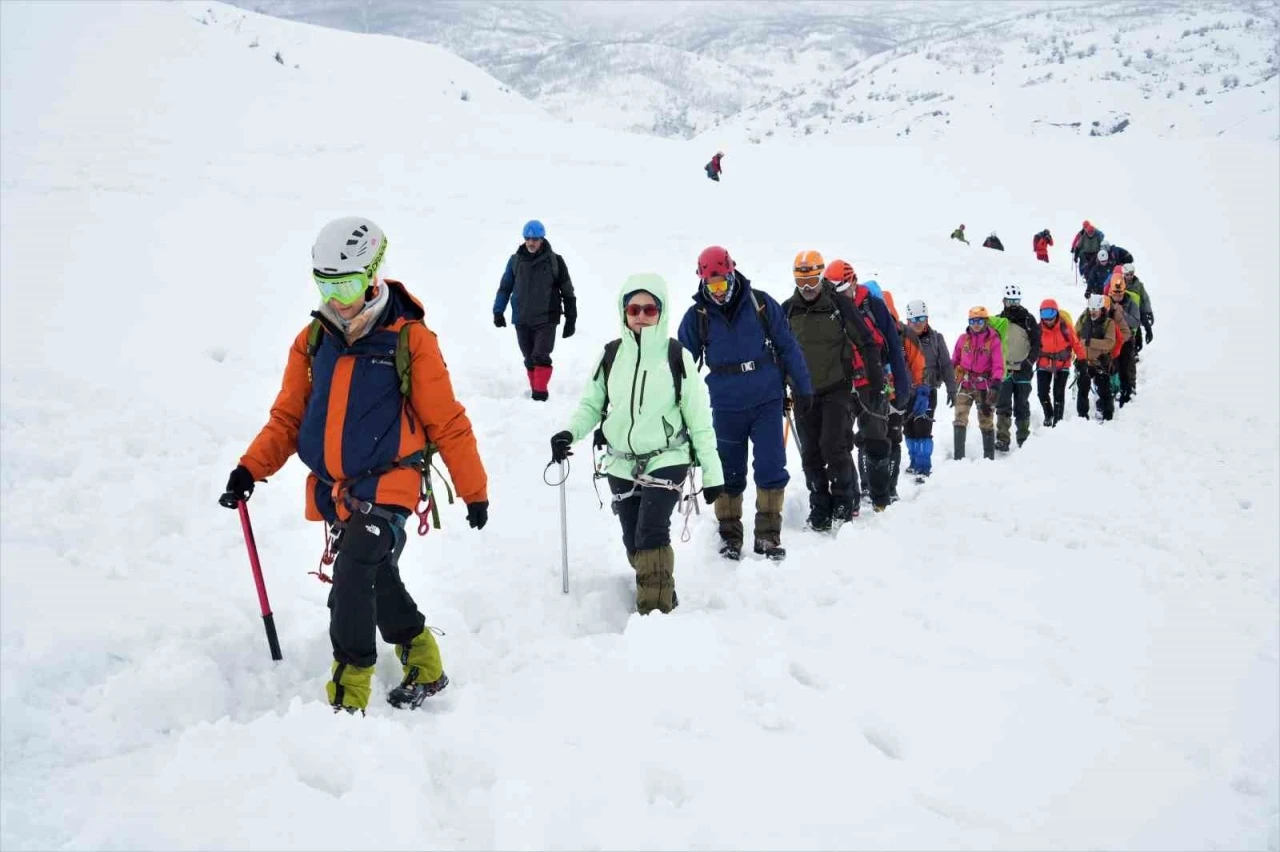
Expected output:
(373, 528)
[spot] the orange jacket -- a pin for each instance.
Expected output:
(912, 353)
(1058, 342)
(337, 409)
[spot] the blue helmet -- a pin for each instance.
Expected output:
(874, 288)
(533, 229)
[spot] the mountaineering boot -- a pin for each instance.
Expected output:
(843, 511)
(1002, 432)
(1048, 415)
(729, 514)
(768, 531)
(959, 431)
(819, 512)
(655, 580)
(348, 687)
(1024, 431)
(988, 445)
(541, 379)
(895, 462)
(1058, 411)
(880, 472)
(423, 672)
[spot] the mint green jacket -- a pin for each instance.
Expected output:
(643, 416)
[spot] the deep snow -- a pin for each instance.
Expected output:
(1075, 646)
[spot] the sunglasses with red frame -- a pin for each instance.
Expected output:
(643, 310)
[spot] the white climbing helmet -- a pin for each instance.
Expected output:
(916, 308)
(1095, 302)
(349, 244)
(1013, 291)
(1102, 255)
(1128, 269)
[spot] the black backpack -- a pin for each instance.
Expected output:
(675, 361)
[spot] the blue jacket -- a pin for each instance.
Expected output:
(893, 341)
(735, 336)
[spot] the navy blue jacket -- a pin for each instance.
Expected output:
(736, 336)
(893, 341)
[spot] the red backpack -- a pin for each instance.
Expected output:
(860, 296)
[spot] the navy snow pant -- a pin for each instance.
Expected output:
(761, 425)
(536, 343)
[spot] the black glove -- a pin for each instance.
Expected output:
(802, 403)
(1149, 334)
(598, 440)
(711, 492)
(560, 443)
(478, 514)
(570, 326)
(951, 399)
(1082, 367)
(499, 320)
(239, 487)
(1104, 362)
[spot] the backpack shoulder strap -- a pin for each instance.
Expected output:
(404, 358)
(704, 331)
(606, 367)
(315, 333)
(675, 361)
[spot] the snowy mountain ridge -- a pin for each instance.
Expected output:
(752, 70)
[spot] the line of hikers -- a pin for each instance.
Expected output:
(366, 400)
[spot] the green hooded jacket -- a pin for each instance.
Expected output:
(643, 416)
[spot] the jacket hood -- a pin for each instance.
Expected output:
(1049, 303)
(652, 283)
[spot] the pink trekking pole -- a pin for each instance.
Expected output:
(268, 620)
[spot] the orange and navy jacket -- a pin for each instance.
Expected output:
(342, 412)
(1058, 342)
(912, 354)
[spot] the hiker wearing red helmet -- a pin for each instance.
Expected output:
(742, 336)
(1085, 247)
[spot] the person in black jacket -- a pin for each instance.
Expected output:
(993, 242)
(537, 284)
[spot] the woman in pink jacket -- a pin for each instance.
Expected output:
(979, 363)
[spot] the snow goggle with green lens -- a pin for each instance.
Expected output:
(346, 288)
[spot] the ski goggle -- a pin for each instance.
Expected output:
(717, 284)
(918, 320)
(1048, 314)
(643, 310)
(812, 282)
(1011, 301)
(346, 288)
(976, 322)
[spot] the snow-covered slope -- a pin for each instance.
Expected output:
(1157, 70)
(1072, 647)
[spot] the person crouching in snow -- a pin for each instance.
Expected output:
(937, 371)
(362, 423)
(979, 364)
(742, 336)
(660, 426)
(1058, 343)
(1097, 333)
(536, 282)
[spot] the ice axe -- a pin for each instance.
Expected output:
(268, 620)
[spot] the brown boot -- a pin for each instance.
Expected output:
(768, 532)
(655, 580)
(729, 514)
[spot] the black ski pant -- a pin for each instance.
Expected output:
(1015, 396)
(536, 343)
(872, 440)
(367, 590)
(645, 515)
(1101, 380)
(1127, 366)
(826, 444)
(1056, 381)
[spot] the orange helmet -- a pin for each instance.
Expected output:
(808, 264)
(979, 313)
(840, 272)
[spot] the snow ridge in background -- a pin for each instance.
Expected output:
(1075, 646)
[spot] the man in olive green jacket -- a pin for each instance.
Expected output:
(653, 431)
